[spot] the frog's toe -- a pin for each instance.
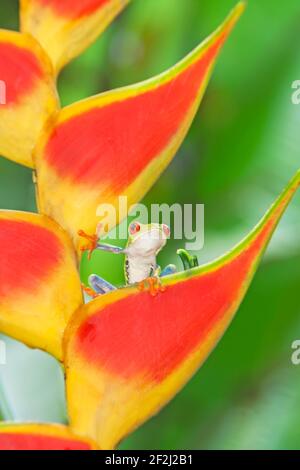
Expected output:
(92, 242)
(152, 285)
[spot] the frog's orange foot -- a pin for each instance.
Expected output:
(92, 245)
(89, 291)
(151, 284)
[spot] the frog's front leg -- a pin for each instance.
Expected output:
(93, 243)
(152, 283)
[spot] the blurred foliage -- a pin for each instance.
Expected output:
(243, 147)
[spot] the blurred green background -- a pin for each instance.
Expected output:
(243, 147)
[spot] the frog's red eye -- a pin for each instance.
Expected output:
(166, 230)
(134, 228)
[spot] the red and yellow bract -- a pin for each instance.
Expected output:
(66, 27)
(41, 437)
(119, 142)
(130, 353)
(39, 281)
(31, 96)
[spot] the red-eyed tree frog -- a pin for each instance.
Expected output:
(144, 244)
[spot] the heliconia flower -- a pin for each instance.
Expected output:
(30, 95)
(41, 437)
(119, 142)
(129, 353)
(39, 281)
(66, 27)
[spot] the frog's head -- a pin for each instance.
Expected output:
(146, 240)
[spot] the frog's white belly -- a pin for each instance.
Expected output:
(139, 268)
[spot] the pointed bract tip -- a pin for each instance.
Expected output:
(234, 15)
